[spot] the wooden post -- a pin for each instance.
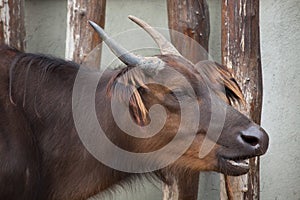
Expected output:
(241, 54)
(81, 38)
(190, 17)
(12, 30)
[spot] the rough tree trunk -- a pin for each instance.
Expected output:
(81, 38)
(12, 30)
(241, 54)
(190, 17)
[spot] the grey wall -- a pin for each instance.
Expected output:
(45, 23)
(280, 46)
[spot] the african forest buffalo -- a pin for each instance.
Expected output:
(43, 156)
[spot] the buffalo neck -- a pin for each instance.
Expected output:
(42, 87)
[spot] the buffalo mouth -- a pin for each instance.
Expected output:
(234, 166)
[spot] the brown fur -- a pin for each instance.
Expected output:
(42, 156)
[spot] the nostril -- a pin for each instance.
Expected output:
(252, 140)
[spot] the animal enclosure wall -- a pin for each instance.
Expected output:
(280, 46)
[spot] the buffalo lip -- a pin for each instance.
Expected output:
(234, 166)
(239, 163)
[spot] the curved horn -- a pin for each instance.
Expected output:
(125, 56)
(165, 46)
(152, 64)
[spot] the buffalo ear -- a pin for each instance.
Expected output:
(125, 87)
(137, 108)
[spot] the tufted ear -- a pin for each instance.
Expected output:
(125, 86)
(222, 82)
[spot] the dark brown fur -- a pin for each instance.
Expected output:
(41, 154)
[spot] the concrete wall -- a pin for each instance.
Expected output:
(280, 46)
(45, 23)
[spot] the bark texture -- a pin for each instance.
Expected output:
(81, 38)
(241, 54)
(191, 18)
(12, 30)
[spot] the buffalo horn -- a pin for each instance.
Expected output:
(125, 56)
(165, 46)
(151, 64)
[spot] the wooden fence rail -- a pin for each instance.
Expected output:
(12, 29)
(81, 39)
(241, 54)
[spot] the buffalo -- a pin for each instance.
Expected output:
(48, 141)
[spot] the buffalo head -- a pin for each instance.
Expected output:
(168, 94)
